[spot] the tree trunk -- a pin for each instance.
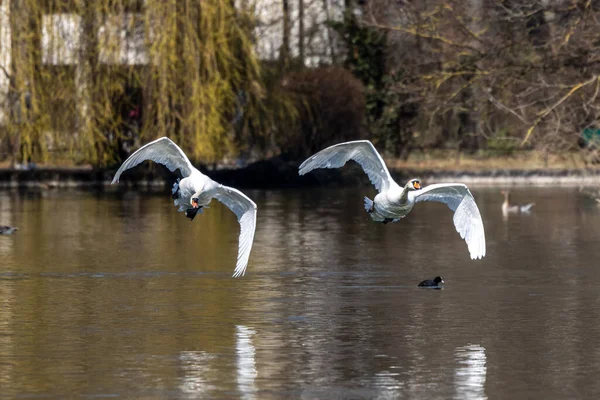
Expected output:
(285, 45)
(87, 69)
(301, 31)
(18, 75)
(5, 59)
(330, 33)
(182, 108)
(470, 120)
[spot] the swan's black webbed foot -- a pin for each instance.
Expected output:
(191, 212)
(387, 220)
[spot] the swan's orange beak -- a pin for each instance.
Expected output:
(417, 185)
(195, 203)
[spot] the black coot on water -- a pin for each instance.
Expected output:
(435, 282)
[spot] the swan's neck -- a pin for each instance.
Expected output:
(404, 194)
(506, 200)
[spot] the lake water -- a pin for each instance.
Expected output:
(116, 295)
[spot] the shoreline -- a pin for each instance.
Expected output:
(277, 174)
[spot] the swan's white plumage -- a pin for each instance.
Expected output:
(361, 151)
(393, 202)
(165, 151)
(467, 218)
(245, 210)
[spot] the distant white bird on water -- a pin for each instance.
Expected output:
(7, 230)
(196, 190)
(514, 208)
(395, 202)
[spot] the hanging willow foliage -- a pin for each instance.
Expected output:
(85, 74)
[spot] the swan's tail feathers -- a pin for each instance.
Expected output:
(175, 190)
(191, 212)
(368, 205)
(527, 207)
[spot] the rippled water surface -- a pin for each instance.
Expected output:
(119, 296)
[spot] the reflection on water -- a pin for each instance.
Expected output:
(246, 366)
(118, 295)
(470, 374)
(195, 370)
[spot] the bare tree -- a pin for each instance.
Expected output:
(525, 71)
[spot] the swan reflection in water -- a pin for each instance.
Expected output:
(469, 377)
(246, 363)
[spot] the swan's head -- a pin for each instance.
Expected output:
(438, 280)
(414, 184)
(195, 200)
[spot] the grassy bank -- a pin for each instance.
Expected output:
(450, 160)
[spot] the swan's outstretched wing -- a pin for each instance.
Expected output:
(361, 151)
(245, 210)
(163, 151)
(467, 218)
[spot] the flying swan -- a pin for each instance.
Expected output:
(395, 202)
(196, 190)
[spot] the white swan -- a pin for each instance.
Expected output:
(394, 202)
(196, 190)
(514, 208)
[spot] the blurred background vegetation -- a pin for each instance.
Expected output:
(234, 81)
